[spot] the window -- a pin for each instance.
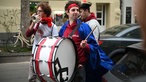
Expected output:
(100, 14)
(128, 15)
(59, 19)
(133, 64)
(133, 34)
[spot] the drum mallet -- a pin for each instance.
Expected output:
(90, 33)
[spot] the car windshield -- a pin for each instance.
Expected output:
(114, 30)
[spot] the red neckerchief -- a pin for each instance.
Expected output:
(47, 21)
(92, 16)
(72, 26)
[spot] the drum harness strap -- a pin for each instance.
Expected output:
(70, 35)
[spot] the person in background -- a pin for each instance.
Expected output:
(41, 27)
(140, 13)
(89, 65)
(89, 18)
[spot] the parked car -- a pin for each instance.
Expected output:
(131, 67)
(119, 36)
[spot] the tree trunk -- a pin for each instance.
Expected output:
(25, 17)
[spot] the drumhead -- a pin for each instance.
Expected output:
(55, 59)
(64, 60)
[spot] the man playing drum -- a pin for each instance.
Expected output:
(89, 62)
(41, 27)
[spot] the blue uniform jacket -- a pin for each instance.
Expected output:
(97, 56)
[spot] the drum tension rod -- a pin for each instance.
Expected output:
(37, 45)
(40, 45)
(46, 61)
(43, 46)
(37, 60)
(48, 75)
(50, 46)
(40, 60)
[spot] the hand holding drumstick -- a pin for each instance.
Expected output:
(84, 42)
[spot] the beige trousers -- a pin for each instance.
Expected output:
(31, 73)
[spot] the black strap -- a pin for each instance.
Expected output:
(70, 35)
(99, 34)
(52, 30)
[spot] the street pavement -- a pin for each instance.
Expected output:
(14, 67)
(14, 57)
(14, 72)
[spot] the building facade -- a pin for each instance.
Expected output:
(9, 15)
(127, 12)
(107, 11)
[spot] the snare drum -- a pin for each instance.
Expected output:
(54, 59)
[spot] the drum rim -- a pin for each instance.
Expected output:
(76, 60)
(73, 75)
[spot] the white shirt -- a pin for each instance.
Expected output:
(92, 23)
(46, 31)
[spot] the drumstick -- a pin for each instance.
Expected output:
(90, 32)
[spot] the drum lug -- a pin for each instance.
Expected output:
(56, 46)
(42, 75)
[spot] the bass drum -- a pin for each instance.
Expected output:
(54, 59)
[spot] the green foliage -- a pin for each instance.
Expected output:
(32, 8)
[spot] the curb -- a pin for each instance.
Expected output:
(6, 57)
(6, 54)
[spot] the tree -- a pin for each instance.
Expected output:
(25, 17)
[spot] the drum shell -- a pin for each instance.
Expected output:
(55, 59)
